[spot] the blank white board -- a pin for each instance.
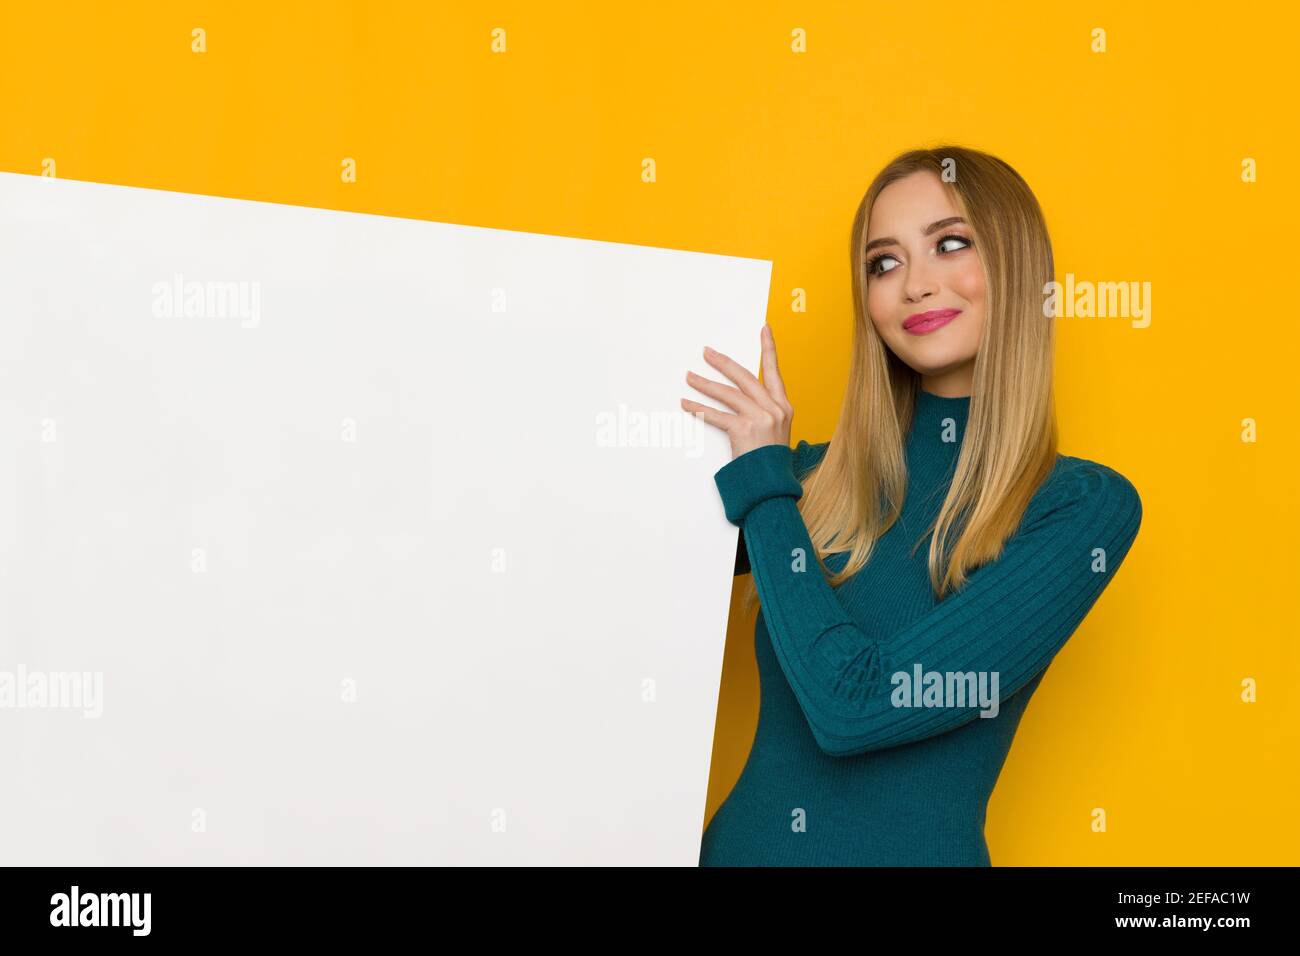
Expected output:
(331, 538)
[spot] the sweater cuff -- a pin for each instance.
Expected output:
(760, 473)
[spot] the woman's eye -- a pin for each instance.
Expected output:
(873, 266)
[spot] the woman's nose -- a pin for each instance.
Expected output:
(919, 286)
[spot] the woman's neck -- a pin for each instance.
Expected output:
(954, 383)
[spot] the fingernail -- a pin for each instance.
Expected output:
(709, 351)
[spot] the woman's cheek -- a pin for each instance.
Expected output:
(969, 283)
(880, 315)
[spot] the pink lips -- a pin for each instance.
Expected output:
(923, 322)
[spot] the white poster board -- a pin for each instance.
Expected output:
(331, 538)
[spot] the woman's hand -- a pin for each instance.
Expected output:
(763, 413)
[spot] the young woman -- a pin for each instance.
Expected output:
(893, 676)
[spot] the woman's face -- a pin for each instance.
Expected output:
(919, 261)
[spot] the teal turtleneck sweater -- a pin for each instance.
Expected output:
(863, 756)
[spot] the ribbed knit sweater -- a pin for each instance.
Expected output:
(856, 761)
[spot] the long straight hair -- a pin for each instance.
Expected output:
(855, 493)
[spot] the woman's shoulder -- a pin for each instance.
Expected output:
(1089, 488)
(807, 456)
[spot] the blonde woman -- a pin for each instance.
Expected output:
(917, 573)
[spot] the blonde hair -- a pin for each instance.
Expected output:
(856, 492)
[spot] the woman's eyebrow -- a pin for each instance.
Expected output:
(933, 227)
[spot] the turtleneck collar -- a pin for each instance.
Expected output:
(938, 427)
(934, 408)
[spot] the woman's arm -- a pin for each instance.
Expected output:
(804, 457)
(1010, 618)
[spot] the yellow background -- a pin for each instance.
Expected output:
(1134, 153)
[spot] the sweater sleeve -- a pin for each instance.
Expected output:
(804, 457)
(1009, 619)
